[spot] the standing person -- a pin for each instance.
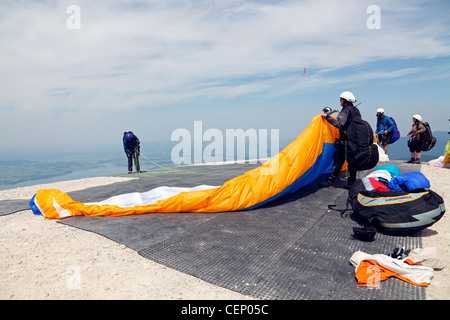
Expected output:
(131, 145)
(385, 129)
(342, 122)
(415, 141)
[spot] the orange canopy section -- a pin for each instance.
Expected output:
(300, 163)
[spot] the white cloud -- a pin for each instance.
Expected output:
(129, 54)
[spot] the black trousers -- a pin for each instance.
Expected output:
(130, 157)
(415, 145)
(339, 160)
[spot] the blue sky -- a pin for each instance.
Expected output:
(155, 66)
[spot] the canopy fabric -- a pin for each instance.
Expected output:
(301, 162)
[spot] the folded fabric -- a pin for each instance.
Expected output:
(440, 162)
(378, 185)
(371, 269)
(371, 184)
(392, 169)
(383, 157)
(409, 181)
(427, 256)
(380, 174)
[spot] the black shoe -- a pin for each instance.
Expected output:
(411, 160)
(399, 252)
(326, 184)
(417, 161)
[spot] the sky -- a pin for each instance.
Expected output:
(74, 75)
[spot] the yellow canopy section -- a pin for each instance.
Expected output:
(300, 163)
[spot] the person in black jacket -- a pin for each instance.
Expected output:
(343, 120)
(416, 137)
(131, 145)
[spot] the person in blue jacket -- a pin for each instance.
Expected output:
(131, 145)
(385, 129)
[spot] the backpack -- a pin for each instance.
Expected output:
(396, 135)
(362, 153)
(398, 213)
(428, 141)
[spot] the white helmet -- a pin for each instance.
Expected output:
(380, 110)
(347, 95)
(418, 117)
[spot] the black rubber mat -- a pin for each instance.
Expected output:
(12, 206)
(292, 248)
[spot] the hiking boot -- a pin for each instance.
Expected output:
(326, 184)
(417, 161)
(411, 160)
